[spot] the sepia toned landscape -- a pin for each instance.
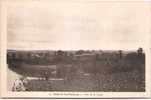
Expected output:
(77, 46)
(80, 70)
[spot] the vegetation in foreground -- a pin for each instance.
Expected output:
(81, 70)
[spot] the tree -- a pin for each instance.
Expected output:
(120, 54)
(59, 56)
(29, 56)
(141, 55)
(60, 53)
(79, 52)
(140, 51)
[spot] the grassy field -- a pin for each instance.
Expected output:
(117, 82)
(108, 71)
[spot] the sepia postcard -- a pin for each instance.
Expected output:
(75, 49)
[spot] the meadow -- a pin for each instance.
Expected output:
(117, 71)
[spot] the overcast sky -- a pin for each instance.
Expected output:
(71, 25)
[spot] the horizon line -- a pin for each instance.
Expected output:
(71, 49)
